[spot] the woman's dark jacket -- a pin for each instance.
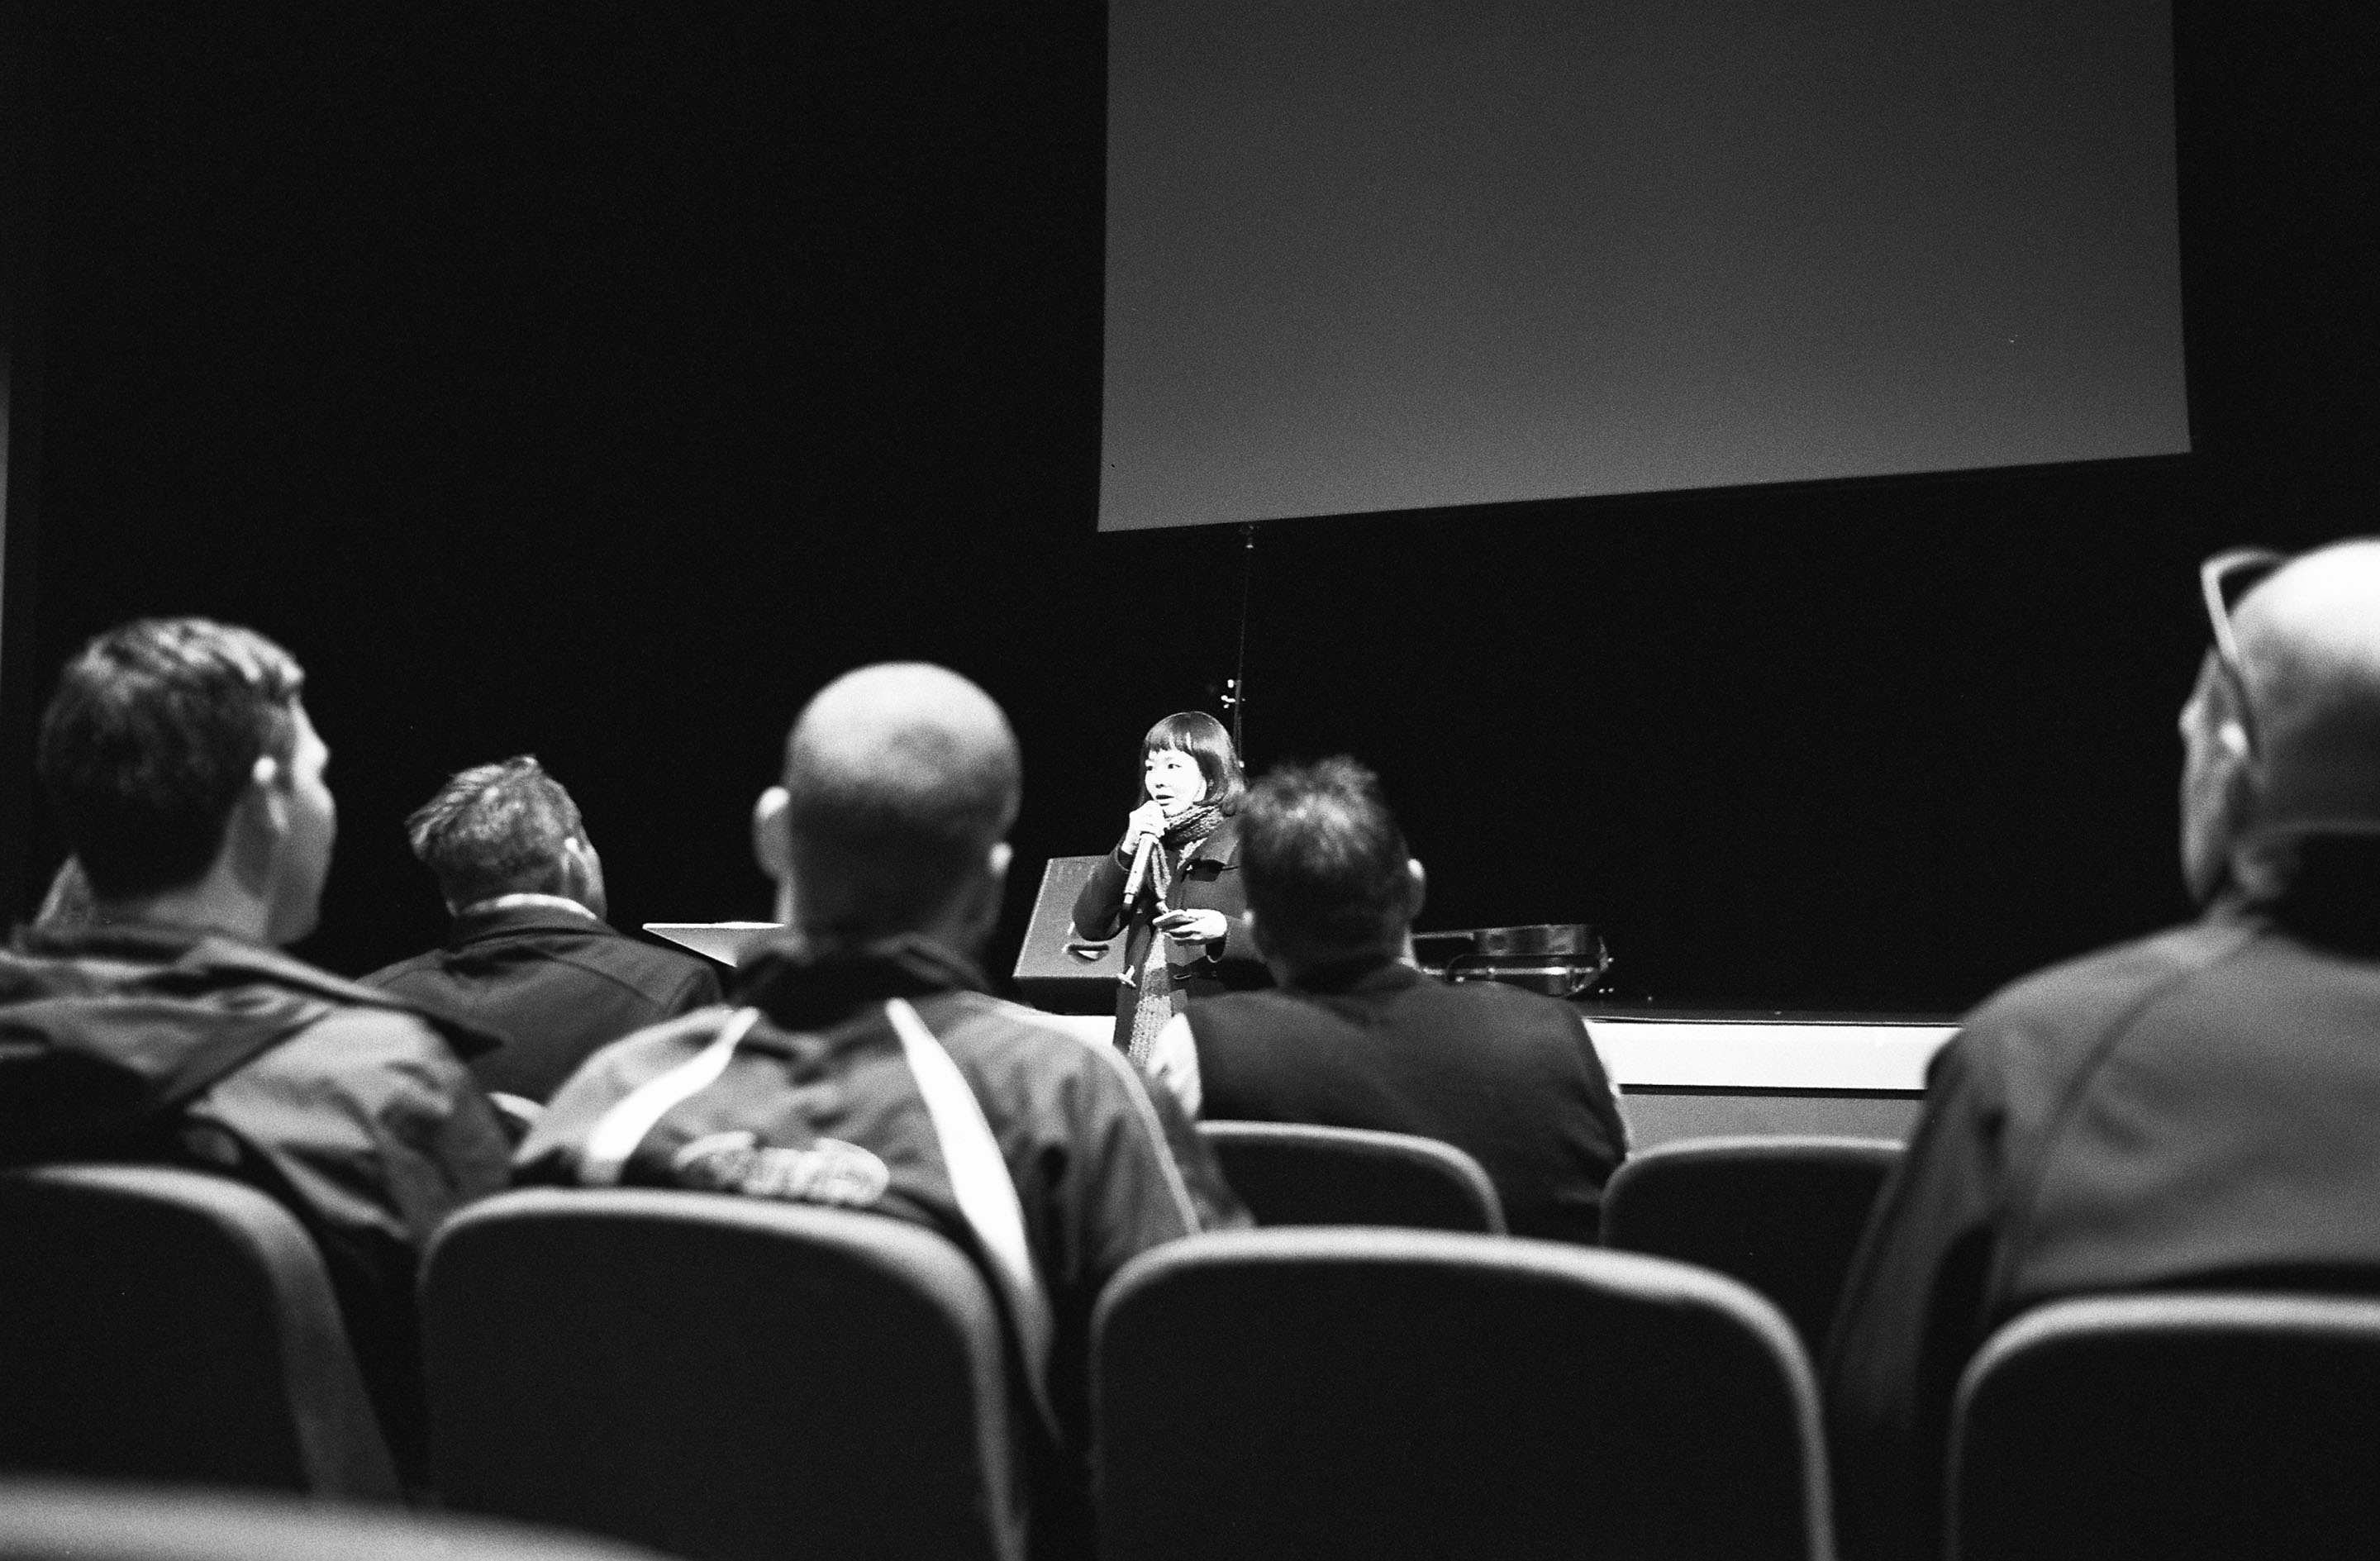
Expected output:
(1208, 880)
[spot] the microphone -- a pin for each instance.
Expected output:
(1139, 868)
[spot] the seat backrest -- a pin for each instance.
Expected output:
(2173, 1424)
(45, 1520)
(1293, 1173)
(167, 1325)
(718, 1376)
(1390, 1393)
(1782, 1214)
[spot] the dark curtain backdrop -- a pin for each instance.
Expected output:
(596, 379)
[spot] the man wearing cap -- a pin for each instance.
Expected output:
(2193, 1108)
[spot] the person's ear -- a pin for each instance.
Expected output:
(771, 847)
(2221, 784)
(1416, 889)
(582, 875)
(989, 892)
(2240, 801)
(259, 822)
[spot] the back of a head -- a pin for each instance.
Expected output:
(900, 777)
(150, 740)
(2310, 641)
(496, 828)
(1326, 868)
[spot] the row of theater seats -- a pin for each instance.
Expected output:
(726, 1378)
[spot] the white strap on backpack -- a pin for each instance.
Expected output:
(986, 1194)
(621, 1129)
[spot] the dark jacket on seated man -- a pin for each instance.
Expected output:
(529, 956)
(869, 1070)
(556, 982)
(346, 1105)
(2192, 1108)
(1100, 1174)
(182, 766)
(1357, 1037)
(1507, 1076)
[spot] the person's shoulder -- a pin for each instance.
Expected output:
(619, 1065)
(1262, 1009)
(392, 975)
(668, 964)
(610, 955)
(2106, 980)
(367, 1050)
(1035, 1060)
(1497, 1007)
(2041, 1032)
(998, 1027)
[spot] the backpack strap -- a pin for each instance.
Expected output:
(987, 1196)
(620, 1129)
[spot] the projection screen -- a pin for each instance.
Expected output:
(1374, 255)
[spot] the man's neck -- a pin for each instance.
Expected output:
(208, 906)
(1338, 970)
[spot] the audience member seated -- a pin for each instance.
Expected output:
(531, 957)
(2196, 1107)
(846, 1078)
(1356, 1036)
(182, 766)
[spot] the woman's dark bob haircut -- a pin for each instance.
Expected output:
(1203, 738)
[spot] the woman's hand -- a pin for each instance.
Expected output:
(1147, 820)
(1192, 930)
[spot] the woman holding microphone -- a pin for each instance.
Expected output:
(1184, 912)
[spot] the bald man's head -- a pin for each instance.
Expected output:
(900, 781)
(2309, 641)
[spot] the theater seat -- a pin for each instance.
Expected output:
(41, 1521)
(1291, 1173)
(1276, 1394)
(2172, 1425)
(1782, 1214)
(168, 1325)
(718, 1376)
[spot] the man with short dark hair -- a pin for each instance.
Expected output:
(2193, 1108)
(868, 1061)
(189, 779)
(531, 957)
(1356, 1036)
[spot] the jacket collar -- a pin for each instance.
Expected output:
(2331, 898)
(806, 983)
(175, 960)
(476, 923)
(1221, 847)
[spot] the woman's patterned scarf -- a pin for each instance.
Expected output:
(1179, 837)
(1159, 999)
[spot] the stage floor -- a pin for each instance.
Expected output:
(1700, 1075)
